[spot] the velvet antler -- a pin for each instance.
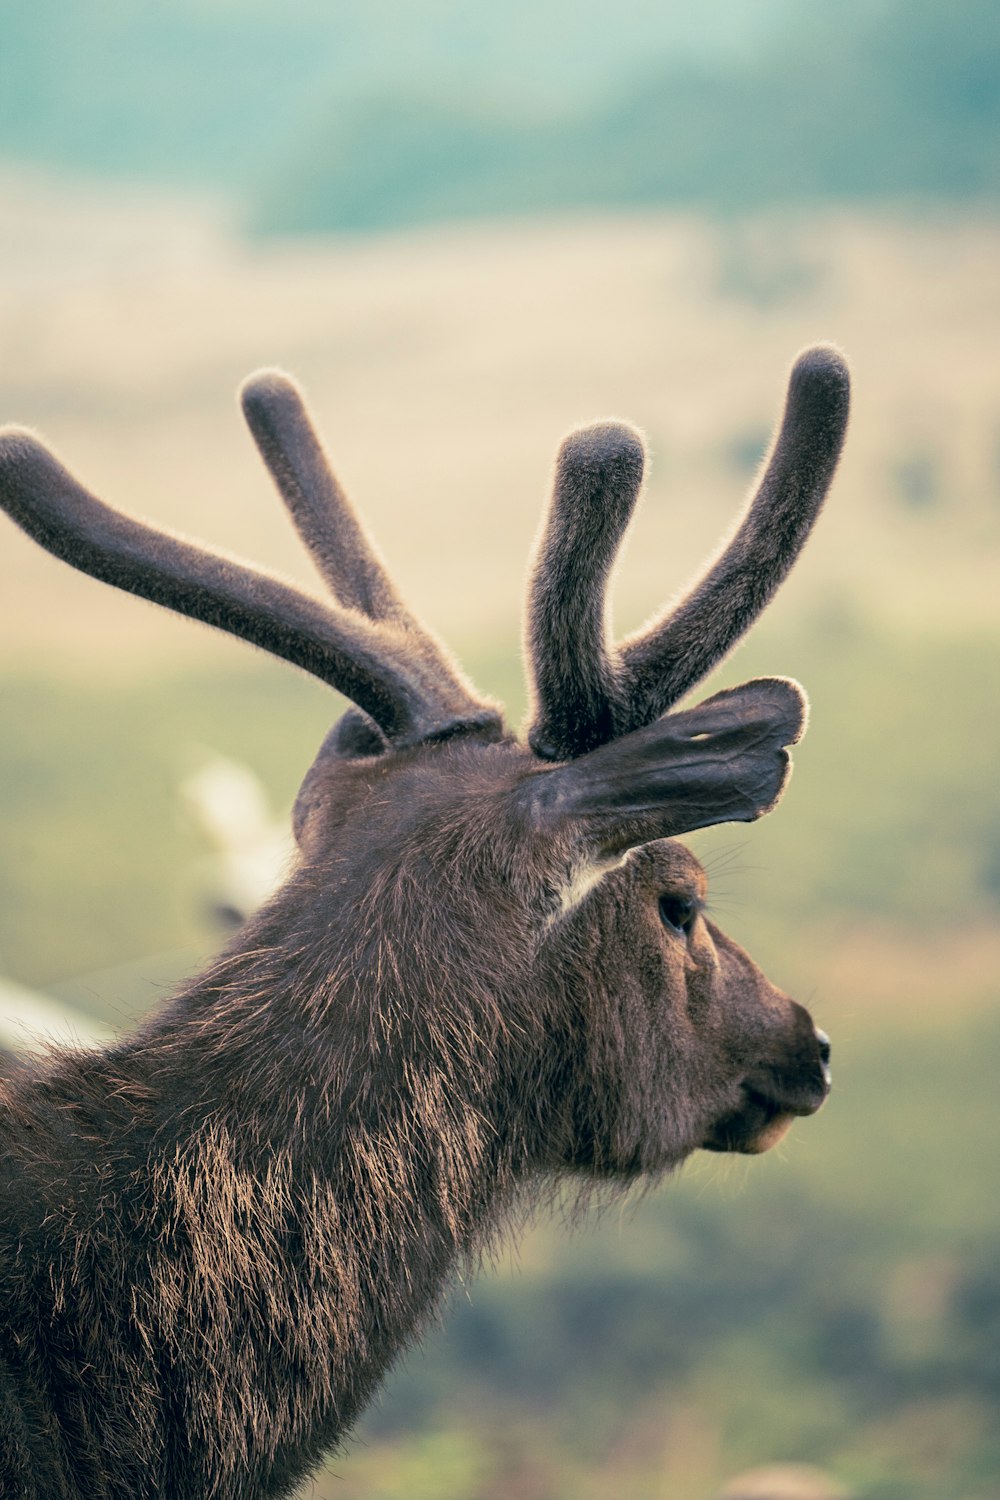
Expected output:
(588, 691)
(384, 662)
(344, 554)
(325, 519)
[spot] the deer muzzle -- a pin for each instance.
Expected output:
(789, 1084)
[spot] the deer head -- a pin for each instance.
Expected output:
(549, 865)
(492, 962)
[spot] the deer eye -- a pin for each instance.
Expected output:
(677, 913)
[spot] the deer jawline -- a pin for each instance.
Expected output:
(760, 1124)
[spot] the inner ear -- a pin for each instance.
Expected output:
(354, 736)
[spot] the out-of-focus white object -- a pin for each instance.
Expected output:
(28, 1017)
(252, 854)
(253, 849)
(785, 1482)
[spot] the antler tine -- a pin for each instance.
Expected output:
(276, 413)
(340, 647)
(576, 685)
(662, 662)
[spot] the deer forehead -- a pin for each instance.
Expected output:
(424, 799)
(671, 864)
(425, 781)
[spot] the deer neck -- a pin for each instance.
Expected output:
(335, 1132)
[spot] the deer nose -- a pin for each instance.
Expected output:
(823, 1043)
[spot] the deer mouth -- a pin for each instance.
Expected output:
(763, 1119)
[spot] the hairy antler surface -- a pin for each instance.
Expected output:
(587, 690)
(363, 641)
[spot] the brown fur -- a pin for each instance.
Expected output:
(485, 972)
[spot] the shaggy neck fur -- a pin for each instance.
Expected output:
(257, 1199)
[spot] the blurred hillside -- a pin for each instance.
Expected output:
(897, 100)
(213, 91)
(356, 115)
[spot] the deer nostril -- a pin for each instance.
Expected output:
(823, 1043)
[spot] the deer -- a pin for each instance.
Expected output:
(490, 969)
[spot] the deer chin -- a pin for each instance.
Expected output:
(759, 1124)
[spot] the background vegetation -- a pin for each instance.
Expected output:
(779, 173)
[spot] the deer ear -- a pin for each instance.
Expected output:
(724, 761)
(353, 737)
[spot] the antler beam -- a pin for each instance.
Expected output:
(374, 665)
